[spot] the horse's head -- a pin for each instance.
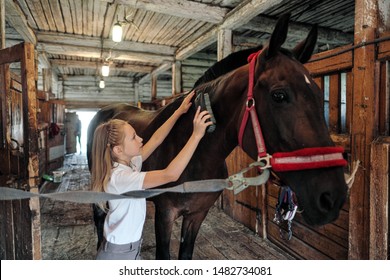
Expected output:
(289, 106)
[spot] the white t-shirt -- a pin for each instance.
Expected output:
(126, 217)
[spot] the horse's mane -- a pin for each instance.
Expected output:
(229, 63)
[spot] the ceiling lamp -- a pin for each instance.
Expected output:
(105, 70)
(102, 84)
(117, 31)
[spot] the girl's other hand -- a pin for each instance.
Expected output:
(186, 104)
(201, 122)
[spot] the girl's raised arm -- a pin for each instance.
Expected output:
(161, 133)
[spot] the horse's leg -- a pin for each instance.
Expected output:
(98, 216)
(163, 223)
(189, 230)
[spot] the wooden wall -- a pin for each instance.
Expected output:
(20, 230)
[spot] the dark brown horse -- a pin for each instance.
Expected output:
(289, 106)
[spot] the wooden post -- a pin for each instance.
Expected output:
(2, 24)
(31, 142)
(225, 43)
(363, 126)
(47, 79)
(153, 87)
(379, 200)
(176, 78)
(136, 92)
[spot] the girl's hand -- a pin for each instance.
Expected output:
(186, 104)
(201, 122)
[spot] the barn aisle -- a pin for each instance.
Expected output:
(68, 232)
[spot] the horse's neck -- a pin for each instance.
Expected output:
(157, 118)
(228, 95)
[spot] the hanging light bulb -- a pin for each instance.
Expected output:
(117, 32)
(102, 83)
(105, 70)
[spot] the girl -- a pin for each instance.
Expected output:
(118, 154)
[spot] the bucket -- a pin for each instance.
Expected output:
(57, 176)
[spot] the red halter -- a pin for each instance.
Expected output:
(308, 158)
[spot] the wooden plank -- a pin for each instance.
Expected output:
(95, 52)
(334, 103)
(384, 99)
(335, 60)
(176, 78)
(67, 17)
(225, 37)
(2, 24)
(11, 54)
(379, 200)
(363, 126)
(7, 242)
(94, 65)
(384, 48)
(233, 20)
(295, 246)
(180, 8)
(349, 104)
(266, 24)
(16, 18)
(87, 17)
(77, 15)
(48, 15)
(323, 247)
(5, 115)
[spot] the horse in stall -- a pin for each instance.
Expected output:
(289, 108)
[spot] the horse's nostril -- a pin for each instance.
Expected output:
(326, 202)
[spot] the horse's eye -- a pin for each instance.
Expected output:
(279, 96)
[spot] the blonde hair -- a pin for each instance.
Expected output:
(107, 135)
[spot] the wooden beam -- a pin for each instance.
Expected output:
(154, 88)
(237, 17)
(180, 8)
(225, 43)
(176, 78)
(246, 11)
(336, 60)
(18, 21)
(43, 60)
(95, 65)
(90, 52)
(300, 31)
(363, 126)
(197, 45)
(85, 79)
(96, 43)
(162, 68)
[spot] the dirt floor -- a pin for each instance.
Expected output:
(68, 232)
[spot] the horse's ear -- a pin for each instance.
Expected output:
(278, 36)
(304, 49)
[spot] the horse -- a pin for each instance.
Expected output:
(289, 107)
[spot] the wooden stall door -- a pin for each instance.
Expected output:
(19, 161)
